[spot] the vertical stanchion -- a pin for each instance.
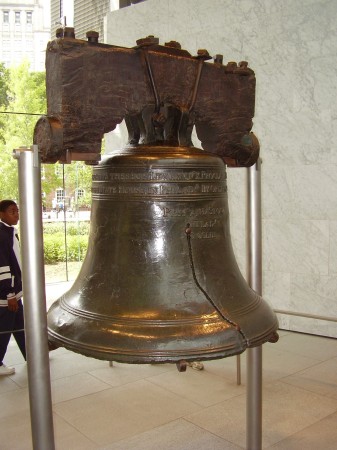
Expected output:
(254, 260)
(238, 370)
(34, 298)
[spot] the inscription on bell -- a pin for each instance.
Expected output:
(206, 235)
(159, 189)
(192, 212)
(160, 176)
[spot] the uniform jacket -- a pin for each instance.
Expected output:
(10, 272)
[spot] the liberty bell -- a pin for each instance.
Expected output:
(160, 282)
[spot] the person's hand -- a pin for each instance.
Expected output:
(13, 304)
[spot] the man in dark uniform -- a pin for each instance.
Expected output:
(11, 308)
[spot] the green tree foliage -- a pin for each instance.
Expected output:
(26, 94)
(3, 85)
(4, 89)
(23, 95)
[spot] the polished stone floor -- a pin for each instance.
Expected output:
(154, 407)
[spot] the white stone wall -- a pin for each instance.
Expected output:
(291, 46)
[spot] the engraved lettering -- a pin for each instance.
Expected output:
(160, 176)
(145, 190)
(210, 175)
(207, 224)
(100, 177)
(190, 212)
(212, 188)
(206, 235)
(166, 211)
(166, 189)
(104, 190)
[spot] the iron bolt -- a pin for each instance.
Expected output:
(59, 33)
(231, 67)
(149, 40)
(218, 59)
(202, 52)
(173, 44)
(92, 36)
(69, 32)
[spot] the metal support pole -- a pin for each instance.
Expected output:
(34, 298)
(238, 370)
(254, 355)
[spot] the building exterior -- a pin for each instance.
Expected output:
(83, 15)
(24, 32)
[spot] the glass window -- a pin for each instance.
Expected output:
(29, 17)
(17, 57)
(6, 44)
(66, 222)
(59, 195)
(6, 58)
(17, 17)
(17, 45)
(79, 193)
(5, 17)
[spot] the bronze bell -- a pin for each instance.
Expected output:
(160, 282)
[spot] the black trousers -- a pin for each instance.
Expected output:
(11, 321)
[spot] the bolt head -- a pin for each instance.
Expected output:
(149, 40)
(173, 44)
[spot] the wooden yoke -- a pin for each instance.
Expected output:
(161, 92)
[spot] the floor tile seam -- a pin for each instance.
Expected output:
(282, 377)
(54, 377)
(286, 351)
(292, 435)
(20, 388)
(311, 392)
(57, 403)
(157, 427)
(309, 367)
(302, 370)
(304, 333)
(299, 354)
(17, 386)
(212, 433)
(327, 395)
(106, 382)
(71, 425)
(223, 378)
(175, 393)
(14, 415)
(124, 384)
(320, 341)
(228, 379)
(188, 399)
(108, 386)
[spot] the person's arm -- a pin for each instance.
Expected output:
(6, 280)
